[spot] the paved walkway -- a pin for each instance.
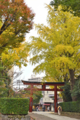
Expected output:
(49, 116)
(39, 117)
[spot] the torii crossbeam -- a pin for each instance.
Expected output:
(55, 84)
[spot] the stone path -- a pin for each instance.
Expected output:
(40, 117)
(49, 116)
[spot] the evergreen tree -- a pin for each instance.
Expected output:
(4, 82)
(67, 5)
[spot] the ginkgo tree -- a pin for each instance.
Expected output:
(57, 48)
(15, 56)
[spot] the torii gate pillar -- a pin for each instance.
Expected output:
(31, 99)
(55, 84)
(55, 98)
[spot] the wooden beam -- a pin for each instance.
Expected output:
(46, 83)
(42, 89)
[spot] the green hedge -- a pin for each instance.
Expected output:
(15, 106)
(73, 106)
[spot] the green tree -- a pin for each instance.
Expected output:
(68, 4)
(37, 96)
(66, 94)
(56, 50)
(76, 90)
(4, 82)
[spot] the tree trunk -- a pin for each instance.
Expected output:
(72, 82)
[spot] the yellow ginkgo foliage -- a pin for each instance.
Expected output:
(57, 49)
(16, 56)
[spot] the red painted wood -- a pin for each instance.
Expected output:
(40, 83)
(43, 89)
(55, 99)
(30, 104)
(31, 99)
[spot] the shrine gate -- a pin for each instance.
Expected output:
(43, 84)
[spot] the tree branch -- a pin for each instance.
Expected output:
(4, 26)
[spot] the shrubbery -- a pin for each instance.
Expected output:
(73, 106)
(15, 106)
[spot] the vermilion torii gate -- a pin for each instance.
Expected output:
(43, 84)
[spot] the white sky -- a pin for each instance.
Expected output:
(38, 7)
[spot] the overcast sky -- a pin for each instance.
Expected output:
(38, 7)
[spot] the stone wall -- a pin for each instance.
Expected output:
(15, 117)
